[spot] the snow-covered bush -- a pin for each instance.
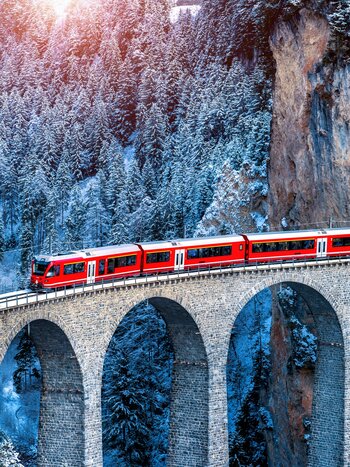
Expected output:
(8, 455)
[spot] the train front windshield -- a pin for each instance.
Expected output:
(40, 267)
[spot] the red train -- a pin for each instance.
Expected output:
(114, 262)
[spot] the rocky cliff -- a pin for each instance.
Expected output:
(309, 169)
(291, 383)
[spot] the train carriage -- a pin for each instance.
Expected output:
(284, 246)
(85, 267)
(338, 242)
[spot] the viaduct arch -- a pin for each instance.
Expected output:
(211, 300)
(328, 405)
(61, 420)
(188, 418)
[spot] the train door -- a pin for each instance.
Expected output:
(91, 272)
(321, 247)
(179, 260)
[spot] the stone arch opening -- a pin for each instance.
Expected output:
(188, 427)
(323, 395)
(61, 417)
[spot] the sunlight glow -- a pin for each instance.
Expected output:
(60, 6)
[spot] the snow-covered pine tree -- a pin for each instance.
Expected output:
(136, 390)
(96, 215)
(75, 222)
(27, 370)
(52, 243)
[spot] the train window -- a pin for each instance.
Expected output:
(283, 246)
(258, 247)
(110, 267)
(124, 261)
(214, 251)
(164, 256)
(204, 252)
(120, 262)
(195, 253)
(151, 258)
(50, 272)
(131, 260)
(40, 267)
(294, 245)
(342, 241)
(101, 266)
(73, 268)
(79, 267)
(240, 247)
(308, 244)
(161, 257)
(53, 271)
(68, 269)
(301, 245)
(227, 250)
(192, 253)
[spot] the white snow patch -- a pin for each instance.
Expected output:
(128, 155)
(259, 220)
(177, 10)
(284, 223)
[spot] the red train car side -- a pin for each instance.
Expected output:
(338, 242)
(85, 267)
(192, 253)
(106, 263)
(282, 246)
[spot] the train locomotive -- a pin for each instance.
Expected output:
(95, 265)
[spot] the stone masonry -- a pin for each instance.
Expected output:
(72, 335)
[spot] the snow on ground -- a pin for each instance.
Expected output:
(176, 10)
(8, 272)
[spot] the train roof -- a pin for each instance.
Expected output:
(91, 253)
(161, 245)
(208, 240)
(296, 234)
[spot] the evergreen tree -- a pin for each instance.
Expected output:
(96, 215)
(136, 390)
(52, 243)
(126, 431)
(27, 371)
(75, 222)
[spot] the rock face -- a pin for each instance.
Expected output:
(310, 147)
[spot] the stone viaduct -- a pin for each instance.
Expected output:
(72, 333)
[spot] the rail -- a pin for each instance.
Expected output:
(24, 298)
